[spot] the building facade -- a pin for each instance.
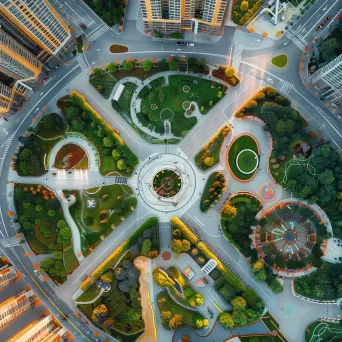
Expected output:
(38, 21)
(44, 329)
(8, 274)
(169, 16)
(15, 306)
(329, 81)
(32, 35)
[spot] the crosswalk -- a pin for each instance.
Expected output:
(236, 56)
(120, 180)
(81, 62)
(10, 242)
(103, 29)
(286, 87)
(297, 39)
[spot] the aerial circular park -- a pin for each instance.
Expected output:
(166, 182)
(286, 236)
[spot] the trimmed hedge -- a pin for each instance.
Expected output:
(188, 234)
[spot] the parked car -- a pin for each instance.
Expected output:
(210, 312)
(190, 44)
(180, 43)
(323, 23)
(83, 27)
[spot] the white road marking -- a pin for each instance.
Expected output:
(313, 26)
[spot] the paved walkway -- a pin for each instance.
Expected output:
(76, 236)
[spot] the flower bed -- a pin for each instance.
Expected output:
(69, 156)
(209, 155)
(216, 185)
(220, 74)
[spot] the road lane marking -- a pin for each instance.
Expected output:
(314, 26)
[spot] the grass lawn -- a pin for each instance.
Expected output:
(167, 183)
(115, 200)
(126, 97)
(246, 160)
(70, 260)
(280, 61)
(165, 303)
(212, 150)
(90, 294)
(103, 84)
(181, 88)
(204, 206)
(319, 331)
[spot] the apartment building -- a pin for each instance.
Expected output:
(44, 329)
(42, 26)
(167, 16)
(328, 80)
(8, 273)
(15, 306)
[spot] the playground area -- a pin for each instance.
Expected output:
(321, 331)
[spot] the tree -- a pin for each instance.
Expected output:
(230, 72)
(147, 65)
(65, 233)
(261, 275)
(201, 62)
(128, 65)
(108, 142)
(177, 246)
(129, 316)
(244, 6)
(121, 164)
(185, 245)
(146, 247)
(228, 210)
(58, 255)
(116, 154)
(239, 303)
(239, 318)
(227, 292)
(157, 34)
(226, 320)
(280, 127)
(47, 264)
(109, 323)
(173, 64)
(326, 177)
(328, 49)
(111, 67)
(251, 298)
(176, 321)
(100, 314)
(209, 161)
(165, 316)
(51, 213)
(161, 278)
(275, 286)
(99, 72)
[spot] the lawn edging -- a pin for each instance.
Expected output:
(227, 160)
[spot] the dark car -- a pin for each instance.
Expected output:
(180, 44)
(210, 312)
(83, 27)
(64, 317)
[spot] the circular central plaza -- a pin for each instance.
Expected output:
(166, 182)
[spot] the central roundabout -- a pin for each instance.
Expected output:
(166, 182)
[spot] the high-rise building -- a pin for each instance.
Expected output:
(44, 329)
(15, 306)
(8, 274)
(328, 80)
(32, 34)
(38, 21)
(168, 16)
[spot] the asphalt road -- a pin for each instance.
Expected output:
(254, 64)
